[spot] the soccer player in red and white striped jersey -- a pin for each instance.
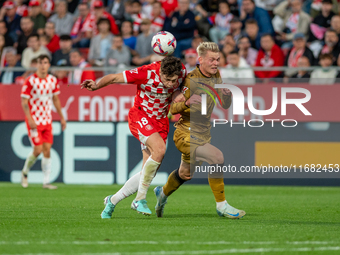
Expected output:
(37, 94)
(148, 122)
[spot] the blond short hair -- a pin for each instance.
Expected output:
(204, 47)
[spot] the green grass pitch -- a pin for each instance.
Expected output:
(279, 220)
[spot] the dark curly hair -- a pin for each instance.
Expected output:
(44, 56)
(171, 66)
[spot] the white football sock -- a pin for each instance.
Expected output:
(30, 160)
(148, 173)
(220, 205)
(46, 168)
(129, 188)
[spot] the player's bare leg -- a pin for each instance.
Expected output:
(30, 161)
(214, 156)
(156, 146)
(46, 166)
(130, 187)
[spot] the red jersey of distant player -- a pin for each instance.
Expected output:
(152, 102)
(40, 92)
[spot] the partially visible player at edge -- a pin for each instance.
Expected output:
(148, 122)
(192, 134)
(37, 94)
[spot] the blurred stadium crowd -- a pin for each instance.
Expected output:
(118, 33)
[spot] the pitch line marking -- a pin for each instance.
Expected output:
(166, 242)
(225, 251)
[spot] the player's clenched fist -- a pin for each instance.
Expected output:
(177, 97)
(226, 92)
(194, 99)
(89, 85)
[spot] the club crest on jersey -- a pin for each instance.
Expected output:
(34, 133)
(148, 127)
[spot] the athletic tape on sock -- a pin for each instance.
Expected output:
(30, 161)
(148, 173)
(46, 168)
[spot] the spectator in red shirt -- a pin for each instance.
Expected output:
(22, 9)
(169, 6)
(99, 12)
(78, 75)
(82, 29)
(270, 55)
(47, 7)
(53, 39)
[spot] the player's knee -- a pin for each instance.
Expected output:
(218, 158)
(47, 153)
(37, 150)
(159, 152)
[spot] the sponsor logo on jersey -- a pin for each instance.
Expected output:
(148, 127)
(159, 95)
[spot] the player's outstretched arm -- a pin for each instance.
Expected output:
(103, 82)
(57, 105)
(25, 107)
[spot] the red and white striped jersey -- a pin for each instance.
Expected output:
(48, 6)
(157, 24)
(87, 25)
(40, 92)
(137, 20)
(152, 97)
(22, 10)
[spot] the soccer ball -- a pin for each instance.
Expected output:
(163, 43)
